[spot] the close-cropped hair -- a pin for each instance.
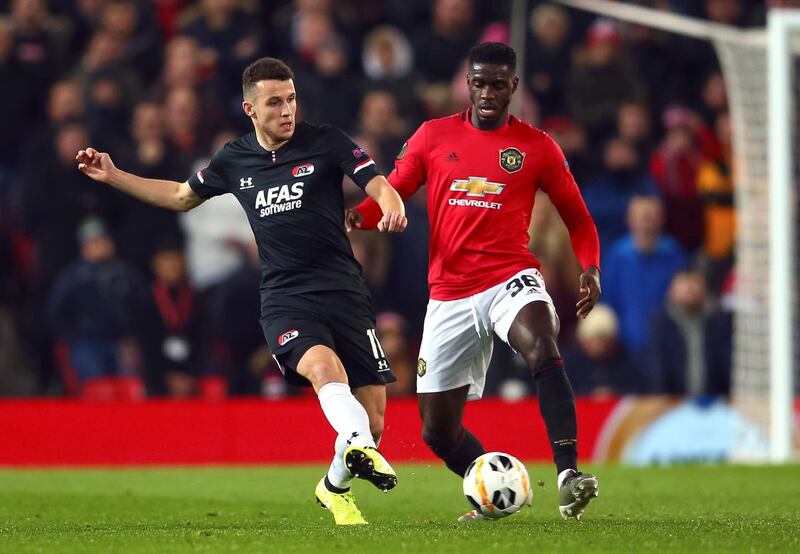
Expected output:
(265, 69)
(495, 53)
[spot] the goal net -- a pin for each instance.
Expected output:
(760, 68)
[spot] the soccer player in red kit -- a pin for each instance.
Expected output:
(483, 168)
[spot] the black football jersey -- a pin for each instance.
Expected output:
(293, 199)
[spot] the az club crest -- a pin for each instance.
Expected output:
(511, 159)
(422, 367)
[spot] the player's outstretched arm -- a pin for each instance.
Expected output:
(394, 211)
(165, 194)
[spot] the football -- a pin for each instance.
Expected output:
(497, 485)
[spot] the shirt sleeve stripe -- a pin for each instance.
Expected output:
(362, 165)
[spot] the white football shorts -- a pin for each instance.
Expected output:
(457, 338)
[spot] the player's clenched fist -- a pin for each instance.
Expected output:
(392, 222)
(97, 165)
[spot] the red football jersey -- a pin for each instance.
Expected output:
(481, 190)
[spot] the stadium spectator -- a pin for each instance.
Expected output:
(598, 364)
(674, 168)
(229, 39)
(140, 227)
(215, 232)
(638, 269)
(573, 141)
(602, 81)
(329, 93)
(96, 308)
(714, 97)
(608, 192)
(548, 53)
(672, 78)
(388, 63)
(106, 52)
(173, 336)
(237, 350)
(136, 26)
(183, 68)
(39, 49)
(715, 187)
(689, 344)
(109, 101)
(310, 29)
(380, 121)
(12, 97)
(635, 126)
(49, 180)
(439, 49)
(186, 132)
(65, 103)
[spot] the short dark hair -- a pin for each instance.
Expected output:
(493, 53)
(265, 69)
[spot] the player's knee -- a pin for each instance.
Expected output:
(540, 350)
(323, 372)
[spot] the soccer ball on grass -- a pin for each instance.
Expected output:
(497, 485)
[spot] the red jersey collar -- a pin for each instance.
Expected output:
(466, 117)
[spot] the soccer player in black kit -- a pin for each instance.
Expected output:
(317, 313)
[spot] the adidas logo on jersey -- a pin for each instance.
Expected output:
(452, 157)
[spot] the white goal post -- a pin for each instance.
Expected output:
(759, 68)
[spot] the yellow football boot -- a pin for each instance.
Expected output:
(342, 506)
(366, 462)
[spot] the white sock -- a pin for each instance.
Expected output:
(350, 420)
(338, 474)
(563, 475)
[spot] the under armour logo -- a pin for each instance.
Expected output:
(246, 183)
(383, 365)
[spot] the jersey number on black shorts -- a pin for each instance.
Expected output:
(377, 350)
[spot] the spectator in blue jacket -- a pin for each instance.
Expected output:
(638, 270)
(95, 307)
(608, 192)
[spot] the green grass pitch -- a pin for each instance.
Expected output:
(689, 508)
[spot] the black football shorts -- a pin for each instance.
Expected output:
(341, 320)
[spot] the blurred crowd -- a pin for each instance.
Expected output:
(105, 297)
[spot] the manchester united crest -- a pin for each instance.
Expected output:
(422, 367)
(511, 159)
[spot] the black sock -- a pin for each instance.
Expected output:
(467, 448)
(331, 488)
(557, 404)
